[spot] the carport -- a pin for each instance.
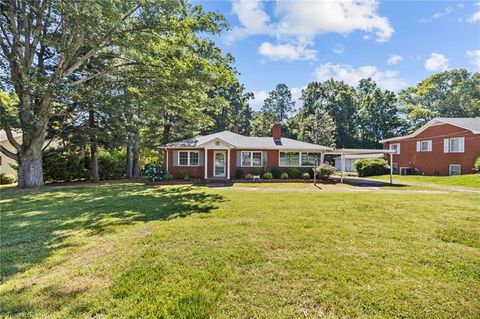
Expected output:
(352, 151)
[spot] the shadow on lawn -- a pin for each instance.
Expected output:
(36, 223)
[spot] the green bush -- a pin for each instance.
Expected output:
(306, 175)
(61, 165)
(238, 173)
(181, 174)
(276, 172)
(284, 176)
(294, 172)
(111, 164)
(167, 176)
(267, 176)
(256, 171)
(186, 178)
(249, 176)
(476, 166)
(371, 167)
(325, 170)
(7, 179)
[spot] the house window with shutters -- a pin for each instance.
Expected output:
(454, 145)
(424, 146)
(395, 147)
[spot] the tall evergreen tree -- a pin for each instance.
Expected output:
(279, 102)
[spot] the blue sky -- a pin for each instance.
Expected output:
(397, 43)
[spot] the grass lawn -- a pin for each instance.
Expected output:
(471, 180)
(129, 250)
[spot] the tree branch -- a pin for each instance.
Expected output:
(11, 139)
(8, 153)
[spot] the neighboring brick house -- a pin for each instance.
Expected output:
(228, 151)
(443, 146)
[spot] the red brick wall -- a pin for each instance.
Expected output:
(437, 161)
(193, 171)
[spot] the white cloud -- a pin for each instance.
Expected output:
(297, 23)
(260, 96)
(436, 15)
(436, 62)
(342, 72)
(339, 49)
(475, 58)
(475, 17)
(394, 59)
(287, 52)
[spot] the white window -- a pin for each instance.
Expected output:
(251, 159)
(188, 158)
(424, 146)
(395, 147)
(454, 145)
(454, 169)
(298, 159)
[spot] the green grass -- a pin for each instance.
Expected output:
(135, 251)
(471, 180)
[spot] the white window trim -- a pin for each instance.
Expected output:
(299, 159)
(188, 158)
(390, 147)
(251, 158)
(429, 146)
(459, 143)
(450, 169)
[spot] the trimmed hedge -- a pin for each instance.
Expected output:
(293, 172)
(7, 179)
(371, 167)
(476, 166)
(325, 170)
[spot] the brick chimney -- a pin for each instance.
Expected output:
(277, 131)
(236, 129)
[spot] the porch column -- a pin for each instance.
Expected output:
(343, 166)
(228, 163)
(391, 168)
(205, 163)
(322, 157)
(166, 159)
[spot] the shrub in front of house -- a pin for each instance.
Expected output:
(306, 175)
(154, 172)
(249, 177)
(7, 179)
(371, 167)
(181, 174)
(293, 172)
(267, 176)
(284, 176)
(325, 170)
(238, 173)
(476, 166)
(256, 171)
(167, 176)
(276, 172)
(186, 178)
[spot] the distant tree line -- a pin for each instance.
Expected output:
(336, 114)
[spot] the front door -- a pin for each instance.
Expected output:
(219, 164)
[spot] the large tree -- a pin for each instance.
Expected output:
(279, 102)
(454, 93)
(318, 128)
(46, 44)
(262, 123)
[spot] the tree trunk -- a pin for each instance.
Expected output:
(135, 159)
(30, 173)
(129, 162)
(93, 148)
(166, 133)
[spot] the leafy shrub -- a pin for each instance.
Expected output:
(167, 176)
(186, 178)
(256, 171)
(371, 166)
(249, 176)
(154, 172)
(294, 172)
(181, 174)
(111, 164)
(61, 165)
(238, 173)
(284, 176)
(306, 175)
(276, 172)
(476, 166)
(7, 179)
(325, 170)
(267, 176)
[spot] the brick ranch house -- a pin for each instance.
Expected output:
(219, 155)
(443, 146)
